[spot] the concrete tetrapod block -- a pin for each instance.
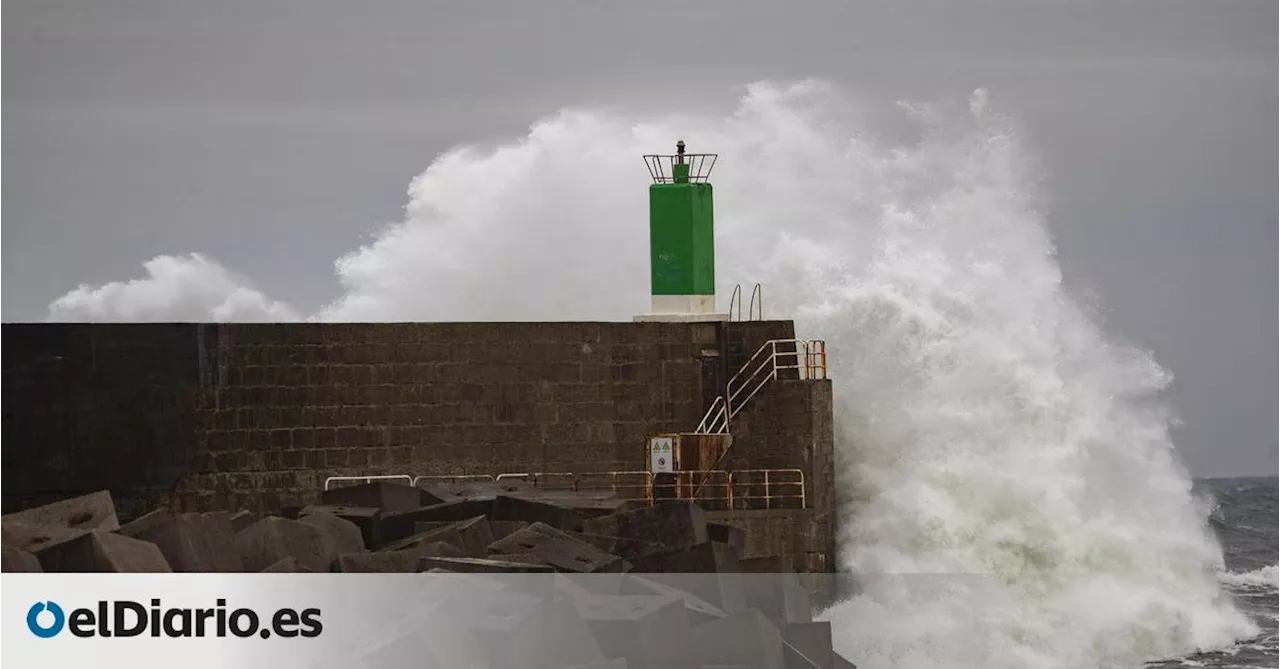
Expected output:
(274, 538)
(390, 497)
(396, 526)
(287, 565)
(343, 535)
(367, 518)
(447, 534)
(648, 631)
(191, 542)
(776, 591)
(699, 610)
(473, 536)
(119, 554)
(558, 549)
(242, 519)
(406, 561)
(104, 552)
(527, 632)
(747, 639)
(478, 490)
(584, 504)
(627, 549)
(812, 640)
(793, 658)
(708, 557)
(37, 539)
(522, 558)
(17, 560)
(505, 528)
(491, 622)
(674, 524)
(95, 511)
(572, 584)
(481, 566)
(145, 522)
(708, 570)
(533, 511)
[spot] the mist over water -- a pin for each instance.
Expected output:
(1016, 498)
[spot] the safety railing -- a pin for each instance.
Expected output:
(451, 478)
(768, 489)
(755, 309)
(680, 167)
(808, 357)
(714, 489)
(328, 483)
(626, 485)
(543, 479)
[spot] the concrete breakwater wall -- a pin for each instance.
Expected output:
(201, 417)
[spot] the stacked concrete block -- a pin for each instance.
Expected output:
(573, 586)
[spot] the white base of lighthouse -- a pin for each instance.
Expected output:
(682, 309)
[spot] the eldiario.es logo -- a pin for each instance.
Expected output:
(124, 618)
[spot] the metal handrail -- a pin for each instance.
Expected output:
(762, 367)
(450, 478)
(368, 479)
(695, 481)
(662, 166)
(645, 487)
(756, 292)
(736, 297)
(712, 417)
(767, 496)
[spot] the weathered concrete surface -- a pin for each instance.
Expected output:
(99, 551)
(96, 511)
(254, 416)
(191, 542)
(691, 606)
(18, 560)
(390, 497)
(273, 538)
(367, 519)
(559, 549)
(342, 535)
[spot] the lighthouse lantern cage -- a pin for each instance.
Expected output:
(680, 167)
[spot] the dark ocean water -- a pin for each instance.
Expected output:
(1245, 520)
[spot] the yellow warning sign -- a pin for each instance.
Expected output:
(660, 452)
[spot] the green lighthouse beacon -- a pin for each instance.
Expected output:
(682, 254)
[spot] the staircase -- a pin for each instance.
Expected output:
(776, 358)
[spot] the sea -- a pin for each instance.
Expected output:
(1244, 519)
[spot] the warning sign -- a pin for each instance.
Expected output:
(660, 453)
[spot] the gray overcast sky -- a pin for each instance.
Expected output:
(256, 131)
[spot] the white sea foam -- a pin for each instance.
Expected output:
(193, 287)
(1010, 469)
(1266, 577)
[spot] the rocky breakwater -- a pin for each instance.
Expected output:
(583, 579)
